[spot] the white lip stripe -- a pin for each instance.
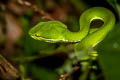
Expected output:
(56, 40)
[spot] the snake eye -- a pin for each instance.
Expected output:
(37, 35)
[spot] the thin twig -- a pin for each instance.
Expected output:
(8, 69)
(34, 7)
(65, 76)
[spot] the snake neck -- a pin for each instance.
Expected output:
(85, 20)
(94, 38)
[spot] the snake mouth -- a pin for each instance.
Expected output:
(38, 37)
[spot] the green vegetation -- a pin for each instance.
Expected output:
(46, 40)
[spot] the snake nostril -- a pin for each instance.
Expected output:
(96, 23)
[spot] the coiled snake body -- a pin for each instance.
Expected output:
(55, 31)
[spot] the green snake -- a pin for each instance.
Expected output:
(55, 31)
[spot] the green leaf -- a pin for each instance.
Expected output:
(115, 5)
(109, 54)
(41, 73)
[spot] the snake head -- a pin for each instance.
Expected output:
(51, 31)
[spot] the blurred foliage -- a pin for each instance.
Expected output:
(109, 49)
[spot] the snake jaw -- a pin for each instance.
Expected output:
(38, 37)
